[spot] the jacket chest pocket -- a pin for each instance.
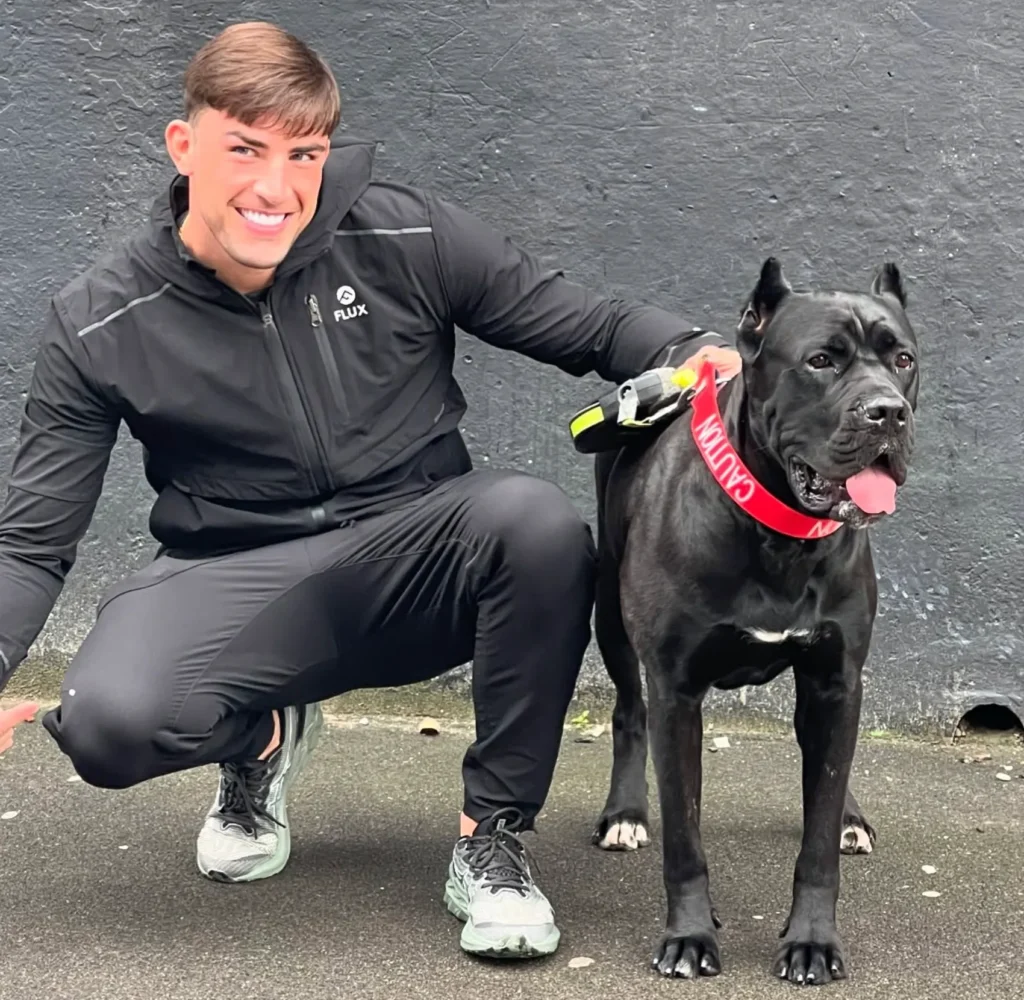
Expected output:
(327, 353)
(370, 347)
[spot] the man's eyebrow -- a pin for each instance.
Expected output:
(248, 140)
(313, 147)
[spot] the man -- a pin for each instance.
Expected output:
(280, 339)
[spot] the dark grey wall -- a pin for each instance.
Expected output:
(657, 150)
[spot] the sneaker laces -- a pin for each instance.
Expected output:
(499, 855)
(244, 793)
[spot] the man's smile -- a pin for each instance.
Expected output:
(264, 223)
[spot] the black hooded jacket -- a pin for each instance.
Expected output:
(272, 416)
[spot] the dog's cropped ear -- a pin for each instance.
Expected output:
(889, 281)
(768, 294)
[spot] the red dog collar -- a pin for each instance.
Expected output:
(735, 478)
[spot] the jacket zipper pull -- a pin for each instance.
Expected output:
(314, 310)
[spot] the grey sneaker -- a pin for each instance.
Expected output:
(246, 834)
(491, 889)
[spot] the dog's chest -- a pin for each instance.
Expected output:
(741, 656)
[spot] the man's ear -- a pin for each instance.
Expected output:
(889, 281)
(764, 301)
(179, 138)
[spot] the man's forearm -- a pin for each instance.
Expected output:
(38, 542)
(28, 592)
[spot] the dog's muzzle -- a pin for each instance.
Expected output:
(864, 464)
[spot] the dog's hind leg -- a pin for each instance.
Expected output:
(858, 834)
(623, 825)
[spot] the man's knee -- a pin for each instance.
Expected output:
(536, 525)
(110, 738)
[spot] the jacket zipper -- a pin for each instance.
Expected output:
(326, 355)
(316, 458)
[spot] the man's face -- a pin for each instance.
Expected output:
(251, 193)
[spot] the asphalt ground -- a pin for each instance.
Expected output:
(100, 897)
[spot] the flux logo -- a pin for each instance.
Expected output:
(350, 309)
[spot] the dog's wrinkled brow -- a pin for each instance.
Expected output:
(858, 327)
(872, 327)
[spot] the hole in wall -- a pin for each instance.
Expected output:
(989, 720)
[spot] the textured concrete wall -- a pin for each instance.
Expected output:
(654, 149)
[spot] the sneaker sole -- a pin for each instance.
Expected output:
(276, 862)
(515, 945)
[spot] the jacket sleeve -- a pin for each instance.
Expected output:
(504, 296)
(68, 430)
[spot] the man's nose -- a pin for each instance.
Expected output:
(270, 185)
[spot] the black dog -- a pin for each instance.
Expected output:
(704, 595)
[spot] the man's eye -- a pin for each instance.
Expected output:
(904, 360)
(819, 361)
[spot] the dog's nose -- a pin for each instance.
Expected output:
(885, 410)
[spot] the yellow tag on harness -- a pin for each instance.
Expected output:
(685, 378)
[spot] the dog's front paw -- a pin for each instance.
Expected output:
(687, 956)
(622, 831)
(811, 954)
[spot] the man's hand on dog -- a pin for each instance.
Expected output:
(11, 718)
(725, 359)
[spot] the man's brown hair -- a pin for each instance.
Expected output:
(263, 76)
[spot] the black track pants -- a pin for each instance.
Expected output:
(187, 657)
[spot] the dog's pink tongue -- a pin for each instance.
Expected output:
(873, 490)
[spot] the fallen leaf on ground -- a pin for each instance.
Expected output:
(429, 726)
(721, 742)
(9, 815)
(928, 869)
(580, 963)
(931, 894)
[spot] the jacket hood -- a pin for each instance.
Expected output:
(348, 171)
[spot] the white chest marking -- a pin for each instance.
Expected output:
(791, 633)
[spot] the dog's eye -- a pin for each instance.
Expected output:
(819, 361)
(904, 360)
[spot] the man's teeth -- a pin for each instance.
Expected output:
(263, 219)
